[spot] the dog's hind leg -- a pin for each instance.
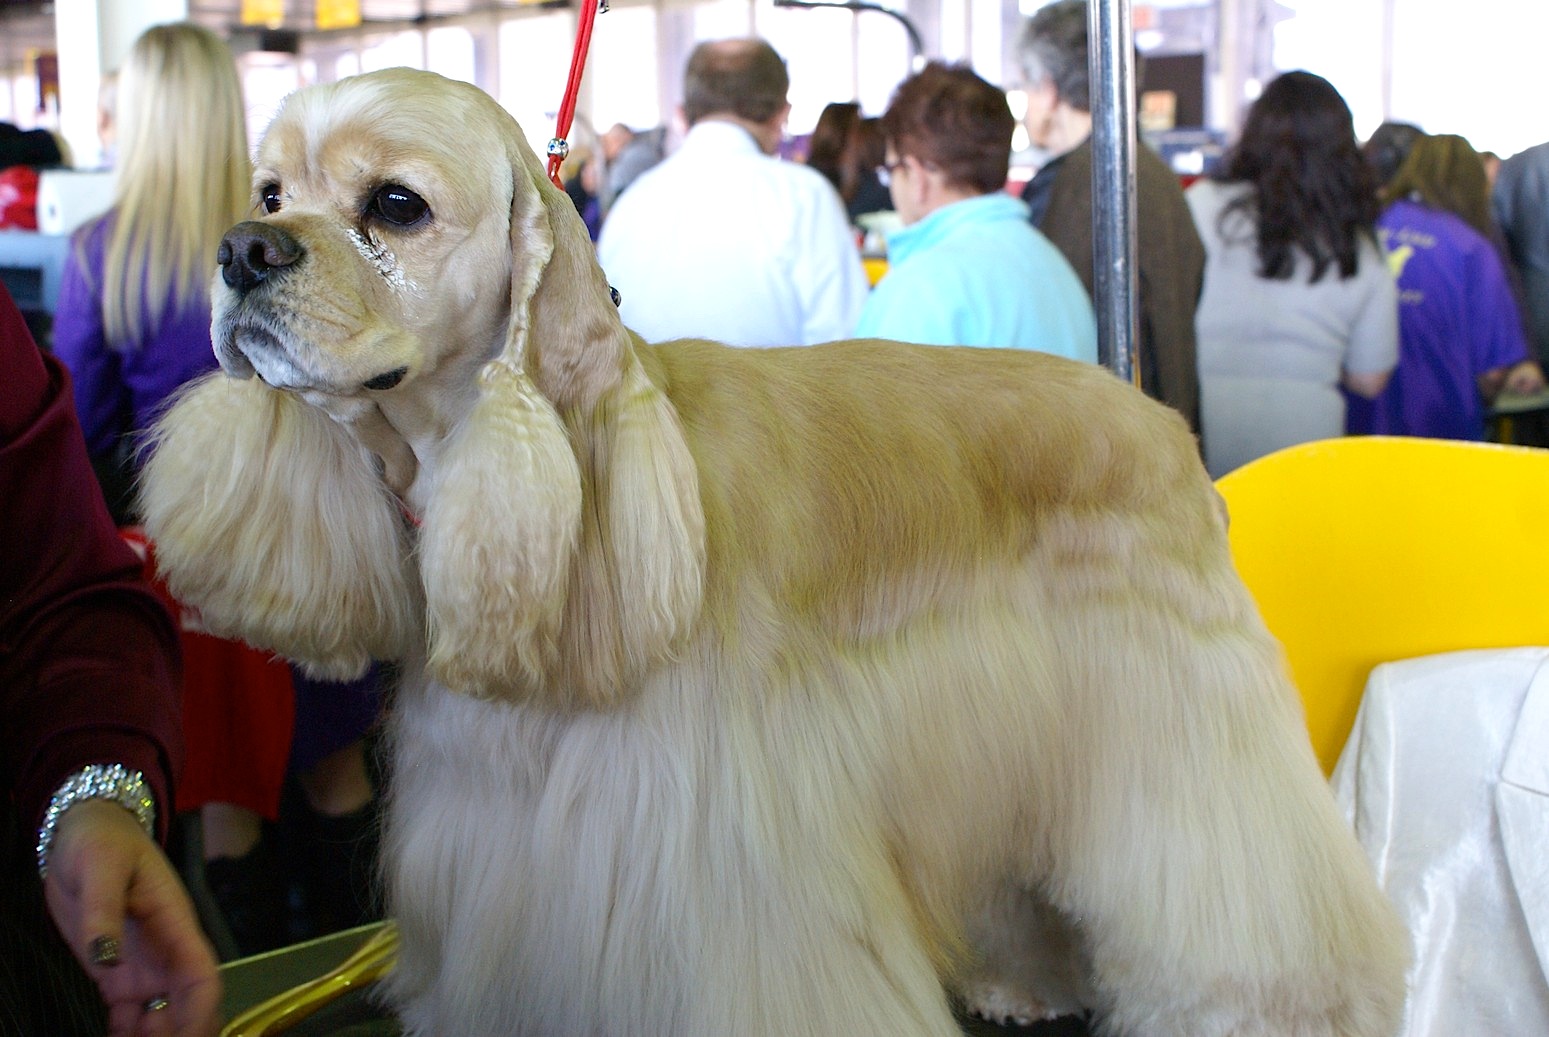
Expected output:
(1028, 963)
(1218, 889)
(811, 953)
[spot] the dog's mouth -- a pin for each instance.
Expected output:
(245, 349)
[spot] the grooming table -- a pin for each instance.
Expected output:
(252, 981)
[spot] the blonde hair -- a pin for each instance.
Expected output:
(183, 176)
(1446, 173)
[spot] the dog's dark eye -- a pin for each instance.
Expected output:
(387, 380)
(269, 197)
(398, 205)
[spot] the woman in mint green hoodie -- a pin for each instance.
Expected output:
(967, 268)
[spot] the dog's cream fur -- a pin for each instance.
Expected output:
(749, 692)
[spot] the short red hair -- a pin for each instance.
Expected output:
(948, 117)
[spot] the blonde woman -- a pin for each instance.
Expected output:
(133, 317)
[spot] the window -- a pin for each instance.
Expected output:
(534, 64)
(401, 48)
(721, 20)
(8, 87)
(883, 55)
(819, 50)
(622, 71)
(266, 80)
(449, 52)
(1492, 58)
(24, 99)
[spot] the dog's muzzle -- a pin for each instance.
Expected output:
(252, 252)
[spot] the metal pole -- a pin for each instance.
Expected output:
(1111, 54)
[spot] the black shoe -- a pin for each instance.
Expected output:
(250, 892)
(340, 876)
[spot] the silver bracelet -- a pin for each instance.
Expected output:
(113, 782)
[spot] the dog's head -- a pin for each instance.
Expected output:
(401, 235)
(412, 323)
(372, 255)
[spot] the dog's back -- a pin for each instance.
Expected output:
(845, 471)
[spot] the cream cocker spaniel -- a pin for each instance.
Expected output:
(748, 693)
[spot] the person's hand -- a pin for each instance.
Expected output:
(1525, 379)
(126, 916)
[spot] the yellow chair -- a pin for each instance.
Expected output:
(1369, 549)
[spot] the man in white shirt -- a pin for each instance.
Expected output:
(722, 240)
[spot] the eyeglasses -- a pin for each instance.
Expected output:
(885, 172)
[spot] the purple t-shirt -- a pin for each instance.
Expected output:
(1457, 320)
(119, 388)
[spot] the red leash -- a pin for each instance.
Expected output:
(559, 147)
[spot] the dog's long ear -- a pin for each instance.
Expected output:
(639, 577)
(579, 457)
(639, 582)
(272, 522)
(504, 514)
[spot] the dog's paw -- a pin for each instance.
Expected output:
(1004, 1007)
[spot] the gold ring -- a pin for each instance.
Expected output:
(104, 950)
(156, 1004)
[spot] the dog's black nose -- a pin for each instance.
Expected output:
(251, 251)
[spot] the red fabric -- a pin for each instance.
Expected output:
(238, 712)
(19, 197)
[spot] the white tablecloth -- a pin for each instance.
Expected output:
(1446, 779)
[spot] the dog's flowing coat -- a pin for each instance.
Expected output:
(747, 692)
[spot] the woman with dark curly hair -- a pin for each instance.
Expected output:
(1298, 301)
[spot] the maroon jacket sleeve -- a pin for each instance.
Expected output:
(89, 663)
